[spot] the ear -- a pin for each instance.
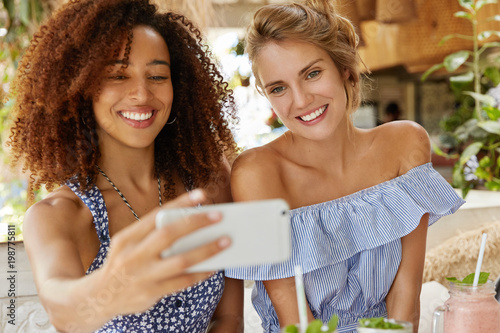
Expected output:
(347, 74)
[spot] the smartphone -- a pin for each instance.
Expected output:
(259, 232)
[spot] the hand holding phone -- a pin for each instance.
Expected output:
(259, 232)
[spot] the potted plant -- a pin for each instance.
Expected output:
(472, 132)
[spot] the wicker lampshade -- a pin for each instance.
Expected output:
(348, 9)
(396, 11)
(418, 40)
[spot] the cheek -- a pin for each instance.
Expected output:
(165, 94)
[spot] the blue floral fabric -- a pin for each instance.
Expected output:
(189, 310)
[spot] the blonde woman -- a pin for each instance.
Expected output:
(361, 199)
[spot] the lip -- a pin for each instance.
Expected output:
(317, 119)
(139, 123)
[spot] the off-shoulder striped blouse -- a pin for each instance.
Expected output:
(350, 248)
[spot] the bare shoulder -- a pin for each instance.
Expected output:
(410, 142)
(55, 209)
(220, 189)
(52, 228)
(255, 174)
(256, 159)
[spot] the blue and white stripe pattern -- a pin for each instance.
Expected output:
(350, 249)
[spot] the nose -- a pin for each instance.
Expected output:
(301, 97)
(139, 90)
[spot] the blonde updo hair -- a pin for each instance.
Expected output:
(315, 22)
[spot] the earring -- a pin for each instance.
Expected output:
(171, 122)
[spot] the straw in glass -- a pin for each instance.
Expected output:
(301, 298)
(479, 260)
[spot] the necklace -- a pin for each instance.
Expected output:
(123, 197)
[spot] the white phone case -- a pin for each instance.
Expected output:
(259, 232)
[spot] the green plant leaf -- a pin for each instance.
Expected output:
(461, 36)
(453, 279)
(493, 73)
(467, 4)
(464, 15)
(481, 3)
(291, 329)
(471, 150)
(467, 77)
(493, 18)
(333, 323)
(469, 279)
(487, 46)
(438, 151)
(457, 176)
(25, 12)
(490, 126)
(498, 161)
(430, 71)
(485, 99)
(378, 322)
(314, 326)
(481, 173)
(463, 131)
(492, 112)
(487, 34)
(453, 61)
(483, 277)
(462, 82)
(485, 162)
(493, 185)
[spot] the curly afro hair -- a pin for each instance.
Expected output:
(53, 130)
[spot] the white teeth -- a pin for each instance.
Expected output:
(137, 116)
(314, 115)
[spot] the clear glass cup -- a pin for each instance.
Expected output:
(407, 328)
(469, 309)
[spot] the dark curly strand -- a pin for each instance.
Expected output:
(61, 72)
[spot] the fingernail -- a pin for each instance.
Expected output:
(196, 195)
(224, 242)
(214, 216)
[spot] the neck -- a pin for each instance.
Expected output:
(334, 151)
(135, 165)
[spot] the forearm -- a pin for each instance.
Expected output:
(403, 300)
(404, 305)
(228, 316)
(227, 324)
(283, 296)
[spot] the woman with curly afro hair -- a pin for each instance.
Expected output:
(119, 108)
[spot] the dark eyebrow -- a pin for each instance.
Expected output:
(151, 63)
(158, 62)
(301, 72)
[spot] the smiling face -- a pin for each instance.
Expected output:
(135, 102)
(304, 87)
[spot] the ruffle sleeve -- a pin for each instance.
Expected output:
(331, 232)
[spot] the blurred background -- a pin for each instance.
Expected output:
(457, 102)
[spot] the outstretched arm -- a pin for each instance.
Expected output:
(134, 276)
